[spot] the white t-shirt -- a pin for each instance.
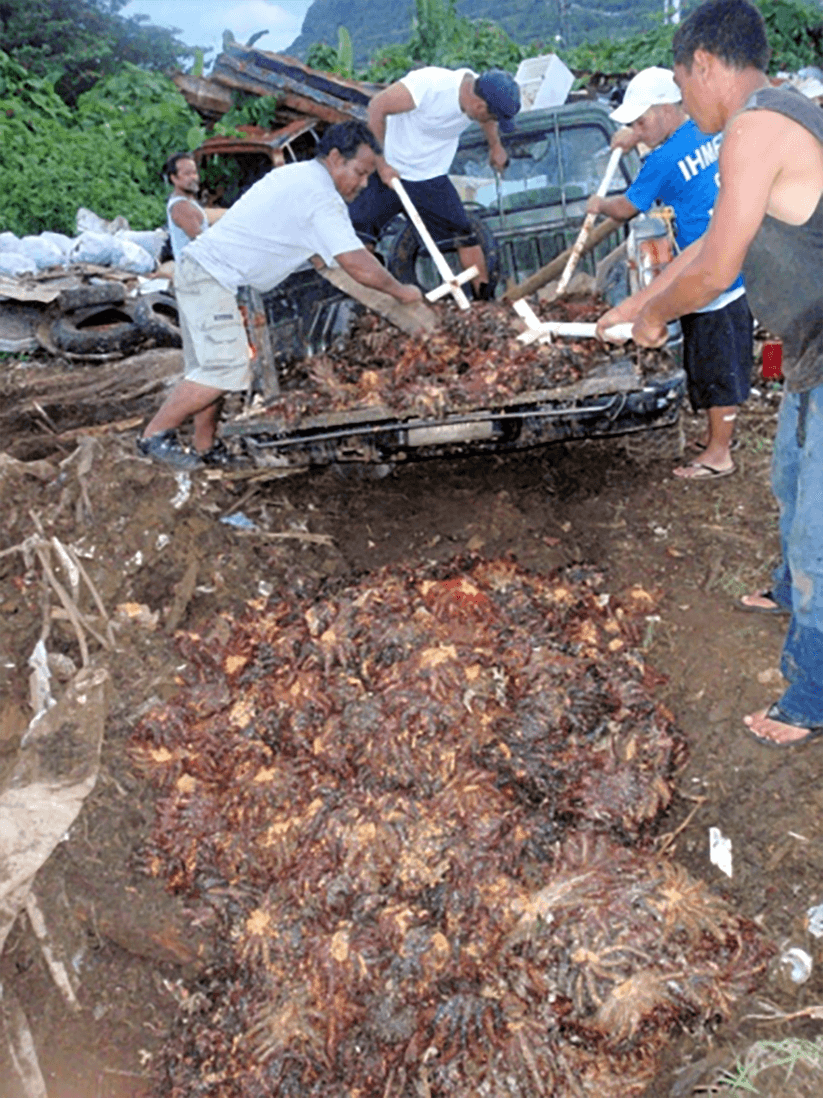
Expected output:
(421, 143)
(290, 214)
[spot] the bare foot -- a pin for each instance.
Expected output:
(778, 733)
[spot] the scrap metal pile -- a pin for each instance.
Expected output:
(474, 360)
(421, 809)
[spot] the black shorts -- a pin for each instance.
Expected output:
(436, 200)
(718, 355)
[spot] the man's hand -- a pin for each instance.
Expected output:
(498, 157)
(386, 172)
(618, 315)
(625, 138)
(593, 204)
(408, 294)
(648, 331)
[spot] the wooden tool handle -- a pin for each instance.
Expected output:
(588, 222)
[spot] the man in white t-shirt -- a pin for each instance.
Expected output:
(419, 120)
(292, 214)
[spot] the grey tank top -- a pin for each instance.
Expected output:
(177, 237)
(784, 263)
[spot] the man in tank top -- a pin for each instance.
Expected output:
(767, 223)
(186, 217)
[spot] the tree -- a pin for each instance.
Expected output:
(73, 43)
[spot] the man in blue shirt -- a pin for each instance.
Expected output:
(681, 172)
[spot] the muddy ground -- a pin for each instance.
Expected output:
(161, 559)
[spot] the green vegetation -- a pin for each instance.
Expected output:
(795, 32)
(73, 43)
(441, 36)
(87, 117)
(106, 154)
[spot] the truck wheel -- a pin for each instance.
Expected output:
(98, 330)
(655, 444)
(157, 317)
(408, 250)
(81, 297)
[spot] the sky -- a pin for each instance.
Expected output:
(202, 22)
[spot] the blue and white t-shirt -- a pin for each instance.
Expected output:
(682, 173)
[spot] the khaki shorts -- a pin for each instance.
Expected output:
(215, 344)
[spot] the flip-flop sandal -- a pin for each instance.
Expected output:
(774, 714)
(702, 472)
(698, 446)
(739, 604)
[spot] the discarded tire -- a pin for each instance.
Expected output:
(97, 330)
(81, 297)
(157, 318)
(408, 252)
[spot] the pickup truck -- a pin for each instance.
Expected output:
(523, 219)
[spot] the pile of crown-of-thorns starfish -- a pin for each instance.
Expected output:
(423, 809)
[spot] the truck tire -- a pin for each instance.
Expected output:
(157, 317)
(407, 249)
(81, 297)
(98, 330)
(655, 444)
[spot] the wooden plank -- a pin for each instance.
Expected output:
(356, 91)
(250, 77)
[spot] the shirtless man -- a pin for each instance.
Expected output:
(767, 223)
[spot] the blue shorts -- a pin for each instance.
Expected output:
(436, 200)
(718, 355)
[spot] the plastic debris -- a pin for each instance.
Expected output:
(815, 921)
(183, 490)
(239, 521)
(796, 963)
(720, 851)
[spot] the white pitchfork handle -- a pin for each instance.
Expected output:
(588, 222)
(619, 332)
(538, 329)
(451, 282)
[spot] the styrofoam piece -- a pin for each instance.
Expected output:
(544, 81)
(720, 851)
(815, 919)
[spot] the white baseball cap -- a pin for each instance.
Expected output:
(648, 89)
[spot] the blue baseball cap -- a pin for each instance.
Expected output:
(502, 96)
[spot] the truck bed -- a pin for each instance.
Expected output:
(374, 395)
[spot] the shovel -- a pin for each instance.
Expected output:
(588, 223)
(452, 284)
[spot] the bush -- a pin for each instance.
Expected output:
(106, 155)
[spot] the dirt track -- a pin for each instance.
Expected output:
(149, 540)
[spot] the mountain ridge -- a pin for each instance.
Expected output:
(374, 24)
